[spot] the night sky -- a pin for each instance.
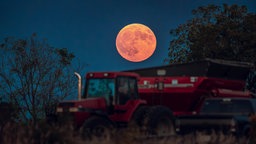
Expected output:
(88, 28)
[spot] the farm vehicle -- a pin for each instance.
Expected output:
(152, 99)
(225, 115)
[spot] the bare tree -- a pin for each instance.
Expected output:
(34, 75)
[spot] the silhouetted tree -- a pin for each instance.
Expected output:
(34, 75)
(219, 32)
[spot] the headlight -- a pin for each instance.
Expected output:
(73, 109)
(59, 109)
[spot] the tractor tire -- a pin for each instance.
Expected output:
(97, 127)
(138, 118)
(160, 121)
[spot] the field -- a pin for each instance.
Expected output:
(49, 134)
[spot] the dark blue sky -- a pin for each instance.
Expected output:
(88, 28)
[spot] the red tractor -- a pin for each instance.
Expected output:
(111, 99)
(152, 98)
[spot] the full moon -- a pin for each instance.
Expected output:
(136, 42)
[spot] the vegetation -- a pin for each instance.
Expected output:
(34, 76)
(43, 133)
(219, 32)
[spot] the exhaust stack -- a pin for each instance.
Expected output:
(79, 85)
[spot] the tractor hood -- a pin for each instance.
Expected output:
(82, 105)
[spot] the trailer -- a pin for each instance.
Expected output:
(183, 87)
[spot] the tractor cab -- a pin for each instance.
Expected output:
(115, 87)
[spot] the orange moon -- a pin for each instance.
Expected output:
(136, 42)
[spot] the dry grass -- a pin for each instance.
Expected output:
(47, 134)
(193, 138)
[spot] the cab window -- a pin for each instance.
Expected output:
(126, 89)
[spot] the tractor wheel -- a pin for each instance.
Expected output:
(139, 117)
(97, 127)
(160, 121)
